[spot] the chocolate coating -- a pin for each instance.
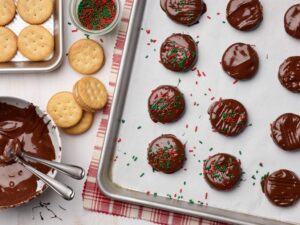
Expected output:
(285, 132)
(244, 15)
(166, 154)
(166, 104)
(179, 52)
(222, 171)
(163, 4)
(289, 74)
(240, 61)
(184, 12)
(292, 21)
(282, 188)
(228, 117)
(16, 183)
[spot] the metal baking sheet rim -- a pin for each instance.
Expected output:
(57, 60)
(116, 192)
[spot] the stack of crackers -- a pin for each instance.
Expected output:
(34, 42)
(73, 112)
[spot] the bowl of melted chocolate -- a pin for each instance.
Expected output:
(24, 127)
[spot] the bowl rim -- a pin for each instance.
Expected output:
(57, 149)
(73, 15)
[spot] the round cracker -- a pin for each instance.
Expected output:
(86, 56)
(84, 124)
(64, 110)
(36, 43)
(7, 11)
(35, 11)
(92, 93)
(8, 44)
(80, 102)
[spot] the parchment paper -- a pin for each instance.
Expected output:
(263, 96)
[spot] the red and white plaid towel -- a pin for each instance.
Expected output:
(93, 198)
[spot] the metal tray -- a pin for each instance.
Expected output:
(104, 178)
(20, 64)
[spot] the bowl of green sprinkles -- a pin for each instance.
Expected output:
(96, 17)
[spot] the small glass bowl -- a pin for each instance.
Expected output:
(73, 8)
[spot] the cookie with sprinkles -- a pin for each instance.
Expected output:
(244, 15)
(179, 53)
(229, 117)
(222, 171)
(289, 74)
(282, 188)
(166, 104)
(285, 132)
(186, 12)
(166, 154)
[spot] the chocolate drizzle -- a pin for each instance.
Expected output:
(222, 171)
(240, 61)
(166, 104)
(244, 15)
(289, 73)
(292, 21)
(16, 183)
(166, 154)
(184, 12)
(179, 53)
(228, 117)
(282, 188)
(285, 132)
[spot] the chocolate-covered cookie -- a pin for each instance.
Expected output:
(166, 154)
(282, 188)
(289, 74)
(187, 12)
(240, 61)
(228, 117)
(285, 132)
(222, 171)
(292, 21)
(166, 104)
(244, 15)
(179, 52)
(163, 4)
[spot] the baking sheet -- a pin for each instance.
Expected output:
(20, 64)
(263, 97)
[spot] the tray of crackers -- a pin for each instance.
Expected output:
(31, 37)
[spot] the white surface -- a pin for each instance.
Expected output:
(38, 88)
(264, 98)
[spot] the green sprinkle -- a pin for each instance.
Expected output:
(184, 183)
(253, 177)
(128, 164)
(123, 121)
(240, 152)
(169, 196)
(139, 127)
(87, 36)
(191, 201)
(69, 23)
(211, 149)
(155, 194)
(147, 56)
(142, 174)
(201, 142)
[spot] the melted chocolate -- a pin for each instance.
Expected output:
(244, 15)
(292, 21)
(289, 74)
(286, 132)
(16, 183)
(166, 154)
(228, 117)
(222, 171)
(179, 52)
(186, 12)
(282, 188)
(240, 61)
(166, 104)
